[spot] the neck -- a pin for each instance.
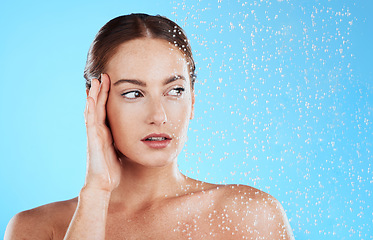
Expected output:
(141, 186)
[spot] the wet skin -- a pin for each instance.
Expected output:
(146, 90)
(225, 212)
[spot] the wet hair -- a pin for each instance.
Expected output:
(129, 27)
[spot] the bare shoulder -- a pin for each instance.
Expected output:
(43, 222)
(246, 196)
(259, 213)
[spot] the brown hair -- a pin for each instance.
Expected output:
(129, 27)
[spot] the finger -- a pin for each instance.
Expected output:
(93, 91)
(89, 113)
(102, 98)
(90, 119)
(86, 112)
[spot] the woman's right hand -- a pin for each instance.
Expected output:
(103, 166)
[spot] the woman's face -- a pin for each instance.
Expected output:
(150, 101)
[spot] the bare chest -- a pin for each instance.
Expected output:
(189, 220)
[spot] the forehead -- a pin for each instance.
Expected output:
(147, 58)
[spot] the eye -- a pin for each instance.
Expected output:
(176, 91)
(132, 94)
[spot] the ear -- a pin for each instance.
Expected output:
(193, 101)
(87, 91)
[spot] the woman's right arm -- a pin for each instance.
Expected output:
(103, 175)
(103, 168)
(89, 219)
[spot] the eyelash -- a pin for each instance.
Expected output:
(179, 91)
(125, 95)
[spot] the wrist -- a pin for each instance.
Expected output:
(96, 194)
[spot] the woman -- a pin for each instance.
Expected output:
(140, 86)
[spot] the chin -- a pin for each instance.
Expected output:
(155, 160)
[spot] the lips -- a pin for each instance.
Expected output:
(157, 141)
(156, 137)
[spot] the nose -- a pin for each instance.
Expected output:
(157, 114)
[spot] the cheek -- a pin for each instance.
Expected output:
(121, 118)
(178, 115)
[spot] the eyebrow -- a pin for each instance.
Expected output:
(132, 81)
(143, 84)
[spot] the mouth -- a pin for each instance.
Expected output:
(157, 137)
(157, 141)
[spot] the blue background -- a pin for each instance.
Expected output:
(284, 103)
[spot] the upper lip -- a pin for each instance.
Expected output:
(164, 135)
